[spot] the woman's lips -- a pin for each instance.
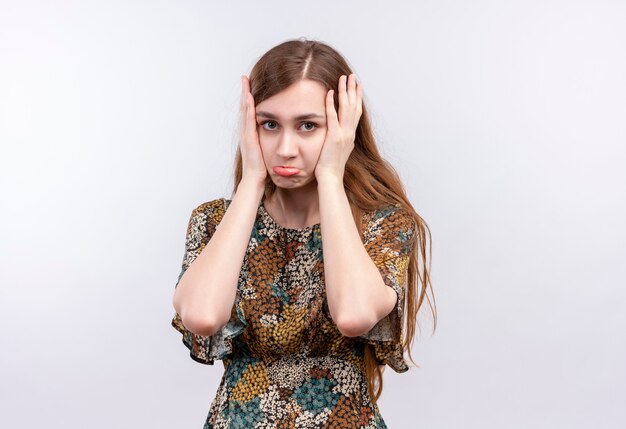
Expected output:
(286, 171)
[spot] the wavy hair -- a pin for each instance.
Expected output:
(369, 180)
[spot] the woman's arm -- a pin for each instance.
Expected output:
(206, 292)
(357, 295)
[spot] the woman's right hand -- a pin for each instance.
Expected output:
(249, 144)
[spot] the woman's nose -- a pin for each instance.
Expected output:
(287, 146)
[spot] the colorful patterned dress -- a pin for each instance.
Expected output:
(286, 365)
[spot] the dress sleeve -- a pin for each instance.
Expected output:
(388, 239)
(203, 222)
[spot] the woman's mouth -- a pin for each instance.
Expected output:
(286, 171)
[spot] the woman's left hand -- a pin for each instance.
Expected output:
(340, 129)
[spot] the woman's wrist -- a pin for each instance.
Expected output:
(253, 185)
(329, 180)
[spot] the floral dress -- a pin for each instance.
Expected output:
(286, 365)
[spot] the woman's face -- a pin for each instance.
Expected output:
(292, 128)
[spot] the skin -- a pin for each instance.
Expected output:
(286, 140)
(357, 295)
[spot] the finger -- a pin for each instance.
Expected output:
(352, 88)
(359, 99)
(332, 122)
(250, 114)
(242, 98)
(246, 83)
(242, 105)
(342, 96)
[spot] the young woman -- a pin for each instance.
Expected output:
(298, 283)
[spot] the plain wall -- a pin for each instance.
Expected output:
(505, 120)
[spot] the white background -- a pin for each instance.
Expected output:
(505, 119)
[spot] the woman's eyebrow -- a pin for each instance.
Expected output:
(296, 118)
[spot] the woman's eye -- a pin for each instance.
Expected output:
(308, 126)
(269, 125)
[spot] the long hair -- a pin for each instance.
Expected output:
(369, 180)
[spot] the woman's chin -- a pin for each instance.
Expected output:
(291, 182)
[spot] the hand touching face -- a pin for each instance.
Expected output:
(251, 155)
(340, 127)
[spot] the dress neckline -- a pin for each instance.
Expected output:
(282, 228)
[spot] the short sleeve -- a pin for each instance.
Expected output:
(389, 234)
(203, 222)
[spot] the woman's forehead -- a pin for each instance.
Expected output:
(304, 97)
